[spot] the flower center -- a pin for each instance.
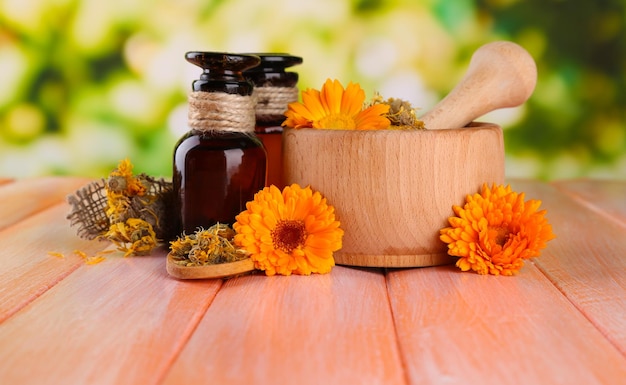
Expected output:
(500, 235)
(288, 235)
(337, 121)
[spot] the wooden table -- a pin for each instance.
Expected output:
(562, 320)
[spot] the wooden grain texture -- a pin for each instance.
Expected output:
(126, 321)
(26, 268)
(607, 197)
(393, 260)
(321, 329)
(463, 328)
(118, 322)
(393, 190)
(587, 260)
(25, 197)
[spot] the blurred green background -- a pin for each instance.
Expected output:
(86, 83)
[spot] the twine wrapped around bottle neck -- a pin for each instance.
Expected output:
(219, 111)
(272, 101)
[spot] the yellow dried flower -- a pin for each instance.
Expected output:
(126, 199)
(402, 114)
(121, 187)
(123, 180)
(133, 236)
(98, 205)
(207, 247)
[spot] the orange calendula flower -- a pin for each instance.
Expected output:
(293, 231)
(335, 108)
(495, 231)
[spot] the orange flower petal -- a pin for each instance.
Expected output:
(353, 99)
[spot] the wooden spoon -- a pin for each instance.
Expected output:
(220, 270)
(500, 75)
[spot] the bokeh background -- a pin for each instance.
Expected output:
(86, 83)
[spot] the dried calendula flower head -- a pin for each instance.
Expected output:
(123, 191)
(116, 184)
(122, 180)
(402, 114)
(133, 236)
(131, 211)
(223, 230)
(126, 209)
(207, 247)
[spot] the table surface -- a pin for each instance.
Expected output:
(561, 320)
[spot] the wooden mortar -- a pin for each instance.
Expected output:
(394, 190)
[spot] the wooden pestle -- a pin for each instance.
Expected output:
(500, 75)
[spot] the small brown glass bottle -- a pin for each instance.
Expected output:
(274, 89)
(220, 163)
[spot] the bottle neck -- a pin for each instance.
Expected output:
(212, 83)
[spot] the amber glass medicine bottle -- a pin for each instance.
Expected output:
(274, 89)
(219, 164)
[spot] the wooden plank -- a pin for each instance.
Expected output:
(605, 196)
(587, 260)
(25, 197)
(118, 322)
(464, 328)
(26, 268)
(321, 329)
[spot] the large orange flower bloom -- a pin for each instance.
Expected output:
(335, 108)
(289, 232)
(495, 231)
